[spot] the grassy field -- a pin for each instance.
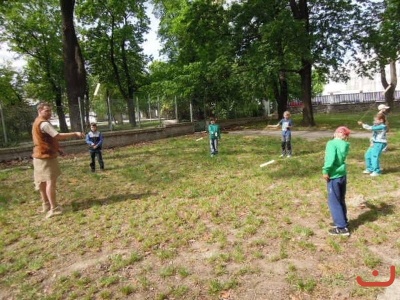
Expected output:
(167, 221)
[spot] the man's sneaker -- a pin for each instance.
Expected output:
(282, 155)
(366, 172)
(289, 156)
(339, 231)
(45, 207)
(373, 174)
(54, 212)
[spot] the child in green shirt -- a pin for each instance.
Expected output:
(335, 173)
(214, 132)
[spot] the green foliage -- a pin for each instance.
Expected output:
(17, 113)
(114, 32)
(32, 28)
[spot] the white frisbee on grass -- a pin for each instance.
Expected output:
(267, 163)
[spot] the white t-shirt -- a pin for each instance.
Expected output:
(48, 128)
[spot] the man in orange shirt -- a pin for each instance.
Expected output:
(45, 163)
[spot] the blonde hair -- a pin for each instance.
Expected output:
(286, 113)
(381, 116)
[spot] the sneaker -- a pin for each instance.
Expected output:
(339, 231)
(54, 212)
(45, 207)
(289, 156)
(282, 155)
(373, 174)
(366, 172)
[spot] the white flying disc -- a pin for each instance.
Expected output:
(267, 163)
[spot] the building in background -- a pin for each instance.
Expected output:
(358, 84)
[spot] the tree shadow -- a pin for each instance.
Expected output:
(373, 214)
(86, 204)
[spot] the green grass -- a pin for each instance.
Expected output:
(166, 221)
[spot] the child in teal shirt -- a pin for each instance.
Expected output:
(335, 173)
(379, 143)
(214, 132)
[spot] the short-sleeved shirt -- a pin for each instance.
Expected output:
(48, 128)
(286, 123)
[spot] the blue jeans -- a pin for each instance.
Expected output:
(286, 144)
(93, 155)
(372, 157)
(214, 146)
(336, 201)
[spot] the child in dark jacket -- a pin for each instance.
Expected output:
(95, 141)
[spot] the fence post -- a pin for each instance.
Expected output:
(148, 101)
(109, 113)
(3, 123)
(176, 110)
(138, 109)
(191, 112)
(80, 113)
(158, 110)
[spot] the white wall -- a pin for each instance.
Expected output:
(358, 83)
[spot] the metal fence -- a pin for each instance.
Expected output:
(353, 98)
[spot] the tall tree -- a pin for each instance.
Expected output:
(115, 31)
(197, 37)
(379, 25)
(74, 66)
(300, 12)
(31, 28)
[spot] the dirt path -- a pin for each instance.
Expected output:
(306, 134)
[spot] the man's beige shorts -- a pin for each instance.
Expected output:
(45, 170)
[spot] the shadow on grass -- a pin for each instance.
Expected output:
(391, 170)
(373, 214)
(85, 204)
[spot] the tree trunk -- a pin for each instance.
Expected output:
(131, 87)
(389, 95)
(306, 87)
(74, 68)
(60, 112)
(300, 12)
(283, 94)
(87, 109)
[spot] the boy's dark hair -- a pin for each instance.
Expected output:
(93, 124)
(212, 118)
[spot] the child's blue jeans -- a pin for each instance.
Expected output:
(214, 146)
(286, 144)
(336, 201)
(372, 157)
